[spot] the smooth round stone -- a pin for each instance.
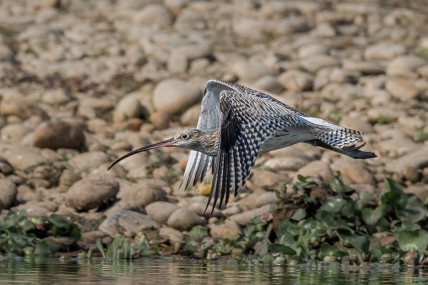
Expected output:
(384, 51)
(144, 193)
(173, 95)
(296, 80)
(402, 89)
(8, 193)
(405, 66)
(91, 193)
(56, 135)
(161, 210)
(153, 14)
(184, 220)
(129, 224)
(127, 108)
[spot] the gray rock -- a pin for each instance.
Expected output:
(127, 108)
(279, 163)
(184, 220)
(88, 161)
(199, 207)
(229, 229)
(312, 49)
(91, 193)
(128, 224)
(268, 83)
(410, 165)
(324, 31)
(22, 157)
(172, 235)
(92, 108)
(13, 103)
(383, 51)
(55, 97)
(191, 116)
(356, 171)
(190, 20)
(14, 133)
(405, 66)
(8, 193)
(315, 63)
(266, 179)
(249, 70)
(365, 67)
(245, 217)
(56, 135)
(258, 199)
(402, 89)
(153, 14)
(5, 167)
(160, 120)
(296, 80)
(317, 169)
(172, 95)
(160, 210)
(144, 193)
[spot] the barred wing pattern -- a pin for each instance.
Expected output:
(209, 119)
(247, 121)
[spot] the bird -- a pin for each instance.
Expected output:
(235, 125)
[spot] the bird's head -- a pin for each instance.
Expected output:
(188, 138)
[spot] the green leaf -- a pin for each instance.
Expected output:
(100, 247)
(300, 214)
(333, 205)
(198, 233)
(287, 239)
(371, 217)
(338, 186)
(287, 227)
(416, 240)
(360, 243)
(282, 249)
(393, 186)
(42, 249)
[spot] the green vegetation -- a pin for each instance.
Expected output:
(327, 223)
(22, 235)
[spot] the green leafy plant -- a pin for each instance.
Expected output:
(121, 249)
(22, 235)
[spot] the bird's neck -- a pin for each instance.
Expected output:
(209, 143)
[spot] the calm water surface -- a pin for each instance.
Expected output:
(149, 271)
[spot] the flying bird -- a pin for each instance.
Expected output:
(235, 125)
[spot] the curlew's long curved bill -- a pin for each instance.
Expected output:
(166, 143)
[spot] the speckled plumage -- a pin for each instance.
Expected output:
(236, 124)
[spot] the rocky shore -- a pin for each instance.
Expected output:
(84, 82)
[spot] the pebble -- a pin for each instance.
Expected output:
(318, 169)
(8, 193)
(86, 162)
(410, 165)
(185, 220)
(54, 135)
(229, 229)
(22, 157)
(317, 62)
(153, 14)
(173, 95)
(143, 193)
(405, 66)
(129, 224)
(383, 51)
(295, 80)
(245, 217)
(161, 210)
(91, 193)
(127, 108)
(402, 89)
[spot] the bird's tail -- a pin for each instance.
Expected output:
(338, 139)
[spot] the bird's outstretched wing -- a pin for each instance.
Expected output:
(210, 119)
(246, 122)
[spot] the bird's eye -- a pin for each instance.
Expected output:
(184, 136)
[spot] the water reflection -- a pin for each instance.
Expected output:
(148, 271)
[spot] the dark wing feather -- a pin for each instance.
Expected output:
(247, 121)
(210, 119)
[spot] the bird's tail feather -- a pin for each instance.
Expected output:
(339, 138)
(351, 151)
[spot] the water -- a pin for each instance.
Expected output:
(149, 271)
